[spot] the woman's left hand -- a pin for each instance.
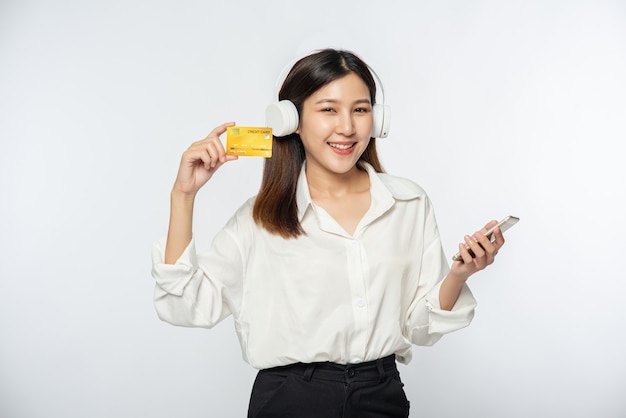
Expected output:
(482, 247)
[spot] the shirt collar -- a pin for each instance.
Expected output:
(385, 190)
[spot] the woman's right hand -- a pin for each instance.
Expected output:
(200, 161)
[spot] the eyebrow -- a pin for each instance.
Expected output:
(337, 101)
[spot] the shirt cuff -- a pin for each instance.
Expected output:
(461, 315)
(173, 278)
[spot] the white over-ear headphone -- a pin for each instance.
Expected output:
(283, 116)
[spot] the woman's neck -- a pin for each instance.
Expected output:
(344, 196)
(325, 184)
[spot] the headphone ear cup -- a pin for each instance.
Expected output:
(382, 118)
(282, 117)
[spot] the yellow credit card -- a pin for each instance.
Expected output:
(249, 141)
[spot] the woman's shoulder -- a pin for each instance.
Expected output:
(241, 221)
(244, 212)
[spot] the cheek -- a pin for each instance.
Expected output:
(364, 126)
(314, 125)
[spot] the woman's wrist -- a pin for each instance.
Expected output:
(177, 195)
(450, 290)
(457, 278)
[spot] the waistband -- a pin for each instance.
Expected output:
(370, 370)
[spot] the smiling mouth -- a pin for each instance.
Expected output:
(342, 146)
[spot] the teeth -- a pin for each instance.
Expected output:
(342, 146)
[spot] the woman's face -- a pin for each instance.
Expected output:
(336, 124)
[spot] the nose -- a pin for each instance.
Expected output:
(345, 124)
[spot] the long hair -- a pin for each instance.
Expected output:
(275, 207)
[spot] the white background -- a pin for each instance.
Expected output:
(499, 107)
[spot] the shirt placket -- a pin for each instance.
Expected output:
(357, 272)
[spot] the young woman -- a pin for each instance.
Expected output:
(333, 270)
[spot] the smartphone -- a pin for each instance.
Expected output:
(504, 224)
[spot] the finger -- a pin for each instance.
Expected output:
(195, 154)
(489, 245)
(220, 151)
(212, 153)
(484, 242)
(214, 138)
(213, 150)
(498, 238)
(207, 159)
(476, 248)
(488, 226)
(220, 129)
(466, 257)
(206, 151)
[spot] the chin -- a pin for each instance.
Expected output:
(343, 167)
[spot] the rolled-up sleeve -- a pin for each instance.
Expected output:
(426, 321)
(200, 289)
(441, 321)
(172, 278)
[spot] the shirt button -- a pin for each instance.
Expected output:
(360, 303)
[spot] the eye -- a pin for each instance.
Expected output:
(328, 109)
(361, 110)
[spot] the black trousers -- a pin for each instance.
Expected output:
(328, 390)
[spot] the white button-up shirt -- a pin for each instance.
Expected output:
(326, 295)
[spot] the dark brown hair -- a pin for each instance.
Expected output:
(275, 207)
